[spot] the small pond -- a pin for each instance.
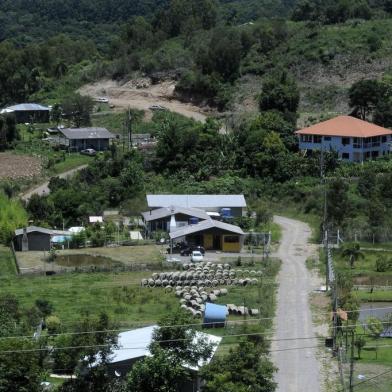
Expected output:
(85, 260)
(375, 309)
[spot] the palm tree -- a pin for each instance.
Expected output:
(353, 253)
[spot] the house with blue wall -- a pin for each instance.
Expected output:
(352, 139)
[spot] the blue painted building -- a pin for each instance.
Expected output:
(351, 138)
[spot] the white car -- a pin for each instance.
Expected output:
(102, 100)
(196, 257)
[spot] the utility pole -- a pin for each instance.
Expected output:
(352, 363)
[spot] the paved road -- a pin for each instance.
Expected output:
(298, 369)
(43, 189)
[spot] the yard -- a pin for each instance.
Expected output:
(14, 166)
(127, 303)
(106, 257)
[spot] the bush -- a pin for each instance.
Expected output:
(383, 264)
(53, 325)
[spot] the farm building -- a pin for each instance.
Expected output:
(351, 138)
(28, 113)
(225, 205)
(133, 346)
(167, 218)
(211, 234)
(38, 238)
(78, 139)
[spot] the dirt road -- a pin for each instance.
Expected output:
(43, 189)
(141, 96)
(299, 370)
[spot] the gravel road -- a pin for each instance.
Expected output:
(299, 370)
(43, 189)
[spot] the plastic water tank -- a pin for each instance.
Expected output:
(226, 213)
(193, 221)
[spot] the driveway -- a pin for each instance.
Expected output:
(299, 369)
(43, 189)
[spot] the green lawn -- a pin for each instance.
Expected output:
(364, 271)
(376, 296)
(71, 161)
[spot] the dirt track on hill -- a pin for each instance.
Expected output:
(141, 96)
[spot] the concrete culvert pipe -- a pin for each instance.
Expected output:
(254, 281)
(222, 282)
(254, 312)
(183, 306)
(187, 297)
(204, 297)
(259, 273)
(252, 273)
(227, 266)
(158, 283)
(198, 314)
(168, 289)
(216, 292)
(162, 276)
(223, 291)
(144, 282)
(165, 282)
(212, 297)
(182, 301)
(215, 283)
(178, 293)
(185, 266)
(199, 300)
(151, 283)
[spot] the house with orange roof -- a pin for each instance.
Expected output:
(351, 138)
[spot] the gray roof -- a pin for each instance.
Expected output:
(196, 201)
(205, 225)
(168, 211)
(27, 107)
(86, 133)
(44, 230)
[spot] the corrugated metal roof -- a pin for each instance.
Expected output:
(134, 344)
(87, 133)
(44, 230)
(196, 201)
(27, 107)
(168, 211)
(205, 225)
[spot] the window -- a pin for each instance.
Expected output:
(345, 155)
(316, 139)
(231, 239)
(357, 142)
(306, 138)
(374, 154)
(345, 141)
(384, 139)
(327, 138)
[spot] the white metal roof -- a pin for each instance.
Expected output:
(27, 107)
(173, 210)
(196, 201)
(86, 133)
(44, 230)
(134, 344)
(205, 225)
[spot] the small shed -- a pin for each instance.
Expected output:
(78, 139)
(38, 238)
(214, 315)
(28, 113)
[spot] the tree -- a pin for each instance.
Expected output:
(77, 108)
(245, 368)
(364, 96)
(338, 205)
(280, 92)
(375, 326)
(359, 343)
(160, 373)
(353, 253)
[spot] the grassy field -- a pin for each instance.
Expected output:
(7, 263)
(375, 296)
(121, 296)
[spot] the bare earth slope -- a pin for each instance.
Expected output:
(299, 370)
(141, 96)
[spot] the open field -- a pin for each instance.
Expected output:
(14, 166)
(127, 255)
(126, 302)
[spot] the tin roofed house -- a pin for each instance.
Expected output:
(78, 139)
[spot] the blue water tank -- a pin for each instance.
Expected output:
(193, 221)
(226, 213)
(214, 315)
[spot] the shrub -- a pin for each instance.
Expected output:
(53, 325)
(383, 264)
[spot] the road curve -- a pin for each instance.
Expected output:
(298, 370)
(43, 189)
